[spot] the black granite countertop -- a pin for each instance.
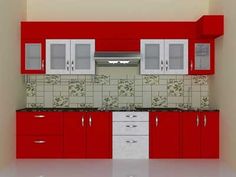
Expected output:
(114, 110)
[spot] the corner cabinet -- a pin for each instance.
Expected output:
(164, 56)
(202, 57)
(33, 56)
(70, 56)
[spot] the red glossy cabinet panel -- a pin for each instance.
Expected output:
(41, 68)
(99, 135)
(191, 135)
(200, 134)
(210, 134)
(39, 146)
(74, 135)
(39, 123)
(164, 135)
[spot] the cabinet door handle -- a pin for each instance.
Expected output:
(157, 121)
(191, 66)
(162, 63)
(39, 116)
(131, 116)
(205, 120)
(82, 121)
(72, 65)
(67, 65)
(131, 141)
(90, 121)
(42, 65)
(131, 126)
(39, 142)
(167, 65)
(197, 120)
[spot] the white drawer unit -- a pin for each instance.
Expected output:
(130, 116)
(130, 147)
(130, 128)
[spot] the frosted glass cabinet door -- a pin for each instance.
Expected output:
(202, 56)
(176, 56)
(58, 56)
(152, 56)
(82, 56)
(33, 58)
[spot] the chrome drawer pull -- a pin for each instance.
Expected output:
(39, 142)
(131, 141)
(39, 116)
(90, 121)
(157, 121)
(205, 120)
(197, 120)
(131, 116)
(131, 126)
(82, 121)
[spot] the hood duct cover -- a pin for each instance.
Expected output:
(117, 58)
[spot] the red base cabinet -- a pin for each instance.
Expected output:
(88, 135)
(200, 134)
(164, 135)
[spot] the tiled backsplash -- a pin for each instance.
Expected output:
(111, 91)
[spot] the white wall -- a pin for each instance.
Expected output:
(12, 94)
(85, 10)
(223, 84)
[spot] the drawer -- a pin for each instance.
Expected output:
(130, 147)
(39, 146)
(130, 116)
(130, 128)
(39, 123)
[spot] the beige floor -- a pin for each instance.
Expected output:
(117, 168)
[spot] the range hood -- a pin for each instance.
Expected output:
(117, 58)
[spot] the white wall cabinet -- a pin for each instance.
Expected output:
(164, 56)
(70, 56)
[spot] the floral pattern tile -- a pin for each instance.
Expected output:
(77, 88)
(52, 79)
(35, 105)
(31, 88)
(85, 105)
(126, 87)
(200, 80)
(204, 102)
(151, 79)
(60, 101)
(183, 105)
(175, 87)
(101, 79)
(110, 102)
(159, 101)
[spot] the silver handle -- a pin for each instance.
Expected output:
(42, 64)
(131, 126)
(166, 65)
(82, 121)
(90, 121)
(39, 142)
(197, 120)
(205, 120)
(67, 65)
(131, 116)
(157, 121)
(39, 116)
(162, 63)
(72, 65)
(131, 141)
(191, 66)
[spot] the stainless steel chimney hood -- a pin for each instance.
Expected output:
(117, 58)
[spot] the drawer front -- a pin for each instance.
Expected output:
(130, 128)
(130, 116)
(130, 147)
(39, 146)
(39, 123)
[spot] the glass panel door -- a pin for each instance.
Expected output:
(202, 56)
(152, 61)
(58, 56)
(33, 56)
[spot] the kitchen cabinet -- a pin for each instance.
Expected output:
(202, 57)
(88, 135)
(200, 134)
(164, 56)
(70, 56)
(164, 135)
(39, 135)
(33, 56)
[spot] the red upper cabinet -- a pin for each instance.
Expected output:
(164, 135)
(74, 135)
(202, 57)
(99, 135)
(33, 56)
